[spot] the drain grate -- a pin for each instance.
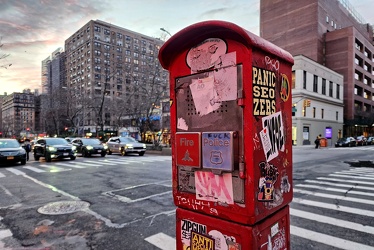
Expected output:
(361, 164)
(63, 207)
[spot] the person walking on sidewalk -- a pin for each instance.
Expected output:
(317, 141)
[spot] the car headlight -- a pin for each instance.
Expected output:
(144, 146)
(89, 147)
(128, 146)
(73, 148)
(105, 146)
(22, 151)
(51, 149)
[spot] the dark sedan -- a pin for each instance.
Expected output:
(89, 146)
(346, 142)
(12, 152)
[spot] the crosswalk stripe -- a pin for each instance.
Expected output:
(354, 177)
(116, 162)
(35, 169)
(328, 239)
(345, 181)
(15, 171)
(356, 174)
(336, 190)
(52, 168)
(332, 221)
(101, 162)
(339, 185)
(334, 197)
(366, 170)
(162, 241)
(88, 164)
(68, 165)
(2, 175)
(340, 208)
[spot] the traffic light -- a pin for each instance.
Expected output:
(306, 103)
(28, 129)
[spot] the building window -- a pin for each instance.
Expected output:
(315, 83)
(322, 113)
(338, 91)
(330, 89)
(327, 19)
(304, 79)
(314, 112)
(337, 115)
(323, 86)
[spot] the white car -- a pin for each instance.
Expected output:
(125, 145)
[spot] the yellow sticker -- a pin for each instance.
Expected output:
(201, 242)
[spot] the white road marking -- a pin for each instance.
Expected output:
(101, 162)
(69, 165)
(328, 240)
(2, 175)
(162, 241)
(336, 189)
(345, 181)
(37, 170)
(334, 197)
(354, 177)
(335, 207)
(54, 168)
(15, 171)
(5, 233)
(116, 162)
(332, 221)
(88, 164)
(339, 185)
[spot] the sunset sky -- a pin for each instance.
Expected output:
(30, 30)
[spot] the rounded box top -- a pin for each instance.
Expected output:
(195, 33)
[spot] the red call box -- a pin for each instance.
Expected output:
(188, 149)
(224, 79)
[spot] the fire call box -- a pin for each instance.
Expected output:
(230, 122)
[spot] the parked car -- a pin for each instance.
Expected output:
(125, 145)
(89, 146)
(54, 148)
(371, 140)
(12, 152)
(361, 140)
(346, 142)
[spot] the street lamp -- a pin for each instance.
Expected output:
(164, 30)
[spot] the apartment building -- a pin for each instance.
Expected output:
(111, 64)
(333, 34)
(317, 95)
(18, 114)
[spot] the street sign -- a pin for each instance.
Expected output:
(188, 149)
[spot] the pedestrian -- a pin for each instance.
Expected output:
(317, 141)
(27, 146)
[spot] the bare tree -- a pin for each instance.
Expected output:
(3, 56)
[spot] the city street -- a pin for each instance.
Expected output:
(126, 202)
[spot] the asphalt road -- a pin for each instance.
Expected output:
(129, 205)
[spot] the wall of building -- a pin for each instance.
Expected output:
(325, 110)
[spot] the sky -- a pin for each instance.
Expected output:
(30, 30)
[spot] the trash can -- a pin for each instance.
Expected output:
(323, 142)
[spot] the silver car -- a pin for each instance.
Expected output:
(125, 145)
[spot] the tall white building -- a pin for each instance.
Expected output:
(317, 95)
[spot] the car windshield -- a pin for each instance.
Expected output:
(342, 139)
(57, 141)
(9, 144)
(128, 140)
(91, 141)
